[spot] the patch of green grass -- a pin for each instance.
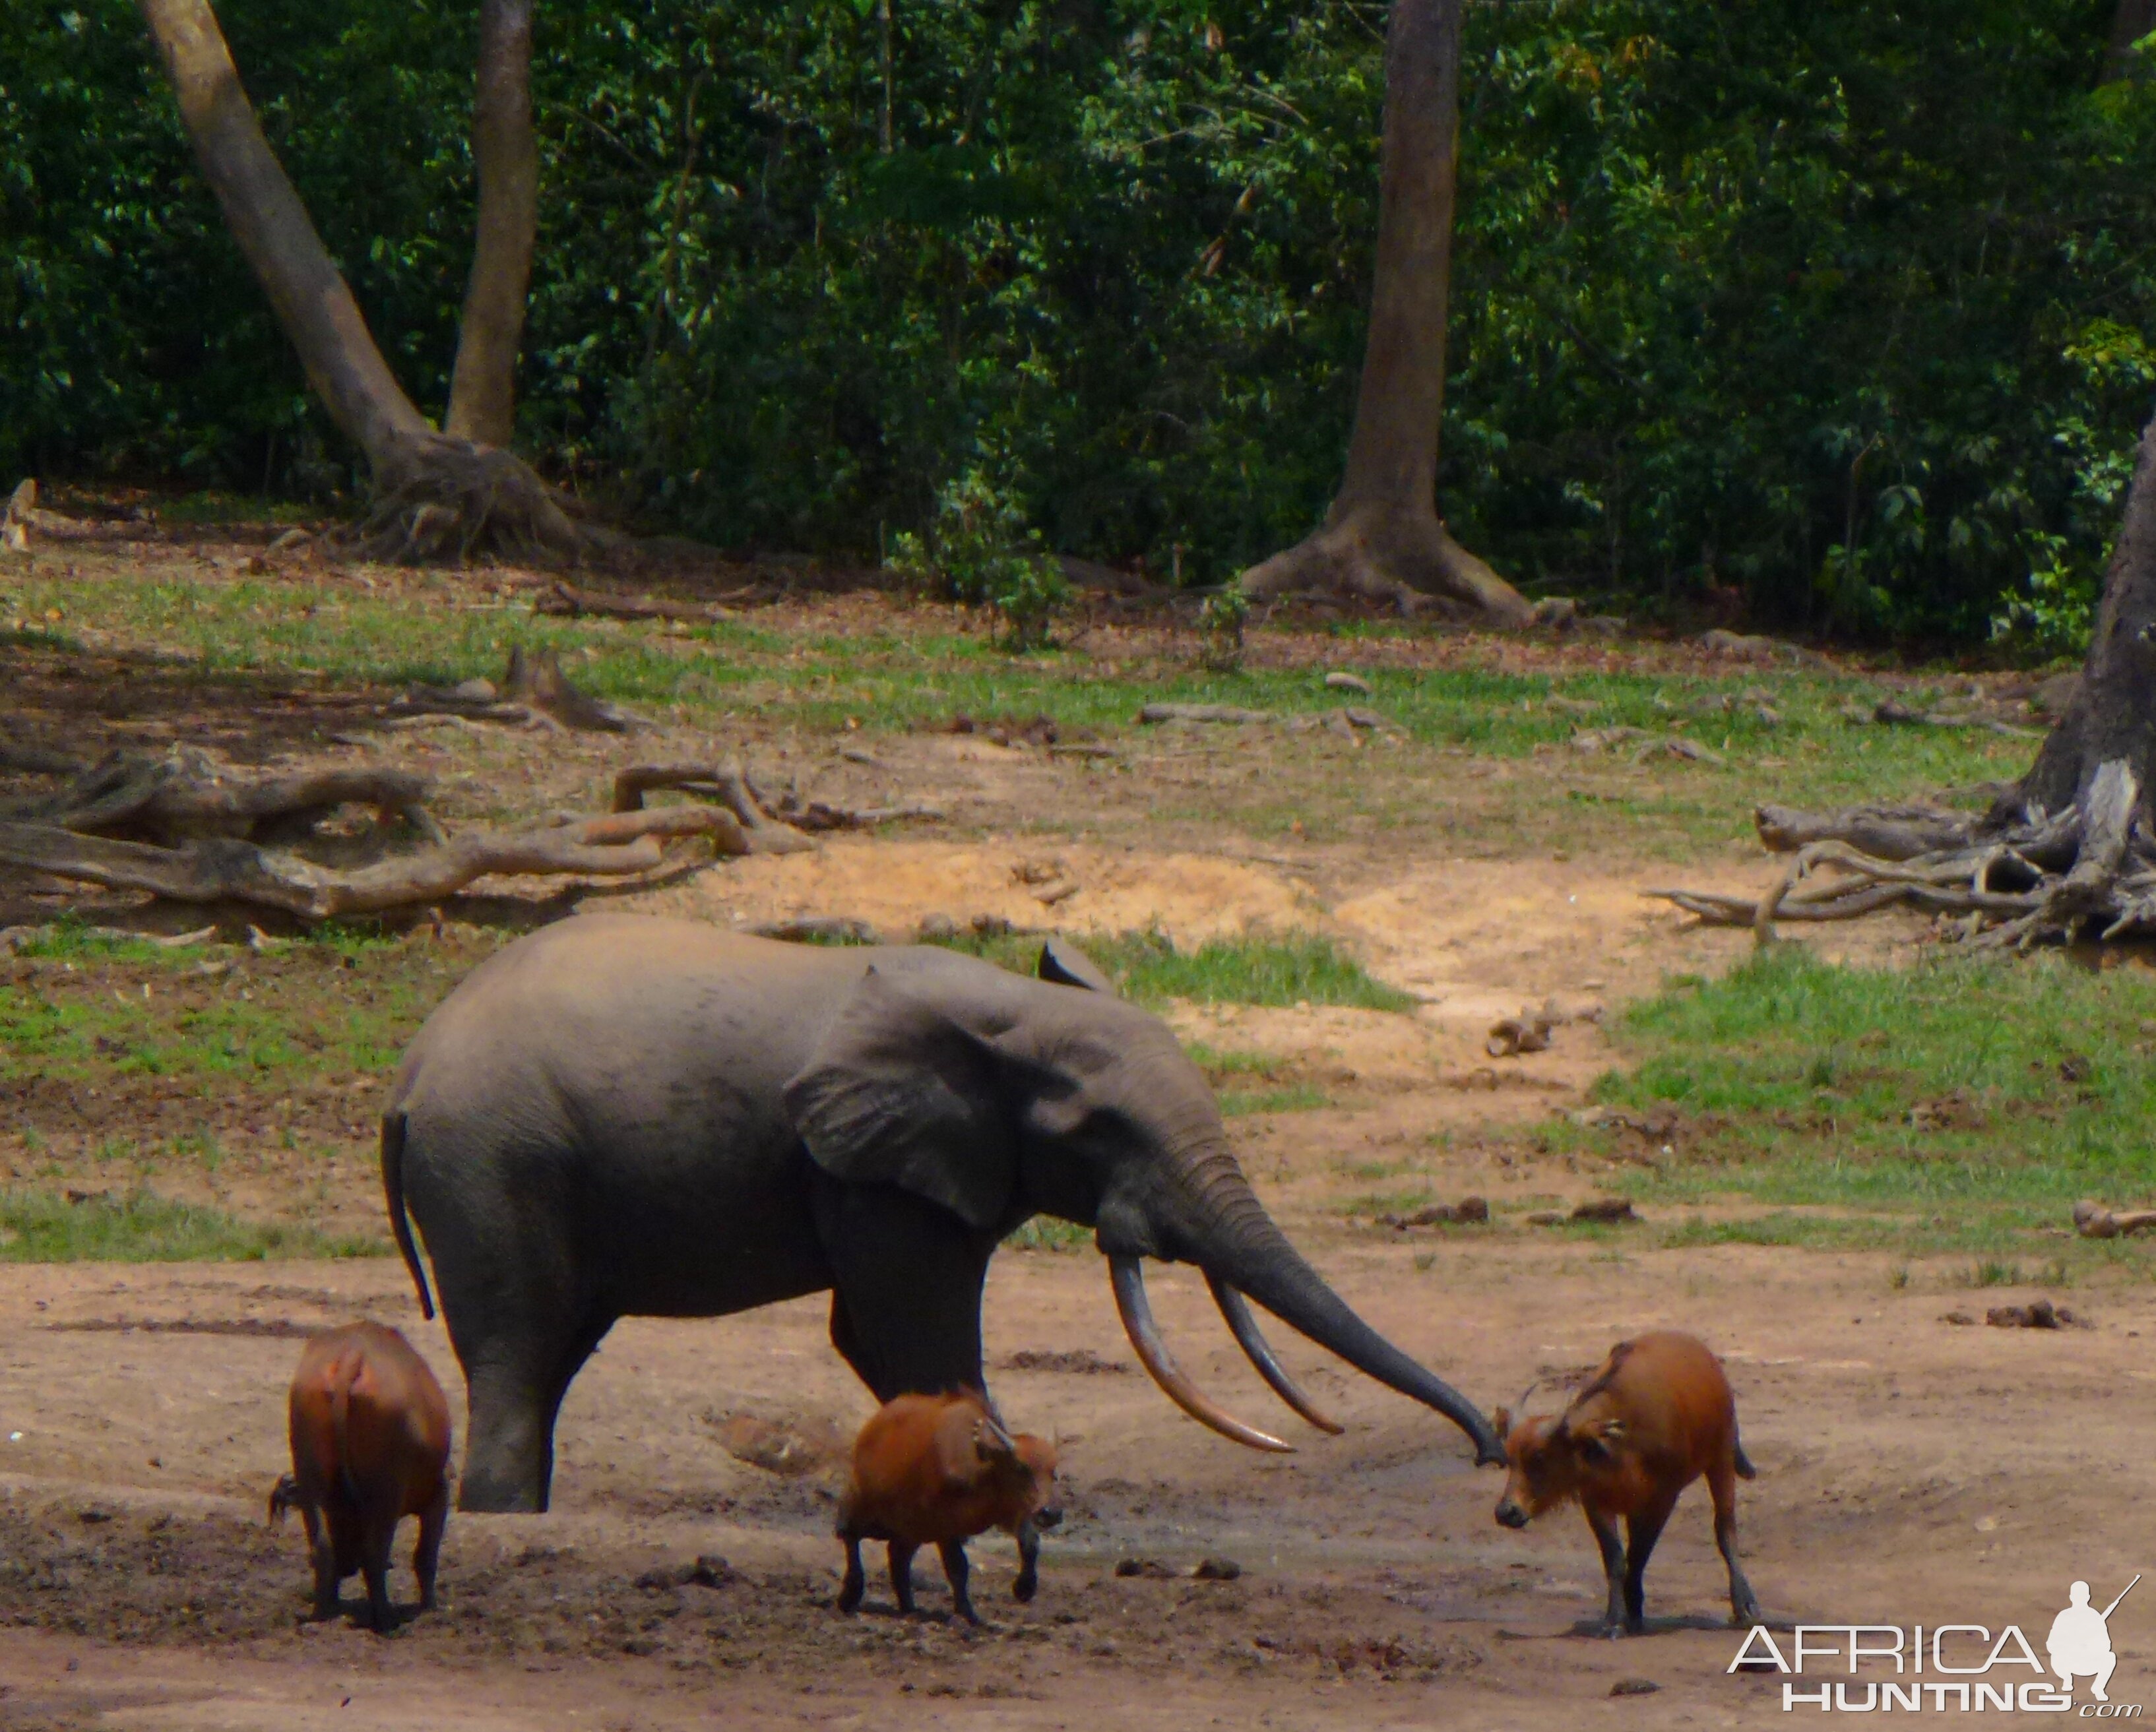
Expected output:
(1045, 1232)
(1294, 1098)
(36, 1227)
(1295, 968)
(1992, 1272)
(1965, 1104)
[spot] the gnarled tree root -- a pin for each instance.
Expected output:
(170, 799)
(221, 868)
(2012, 879)
(445, 500)
(729, 785)
(1401, 559)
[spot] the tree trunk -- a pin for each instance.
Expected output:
(1382, 538)
(274, 230)
(2113, 715)
(2070, 850)
(436, 496)
(2132, 20)
(506, 153)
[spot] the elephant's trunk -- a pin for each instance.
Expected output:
(1228, 1233)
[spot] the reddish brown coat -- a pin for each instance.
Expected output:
(936, 1470)
(1657, 1415)
(370, 1433)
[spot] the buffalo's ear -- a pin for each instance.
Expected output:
(1593, 1441)
(897, 1093)
(1501, 1423)
(1067, 965)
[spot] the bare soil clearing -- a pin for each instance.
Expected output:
(1375, 1588)
(1910, 1470)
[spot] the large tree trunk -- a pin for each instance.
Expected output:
(435, 495)
(1382, 538)
(2132, 20)
(2069, 851)
(506, 153)
(2112, 718)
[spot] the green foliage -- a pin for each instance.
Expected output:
(979, 551)
(1841, 306)
(1221, 617)
(141, 1227)
(1969, 1097)
(1295, 968)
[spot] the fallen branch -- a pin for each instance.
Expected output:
(1224, 714)
(726, 784)
(2093, 1221)
(566, 600)
(221, 869)
(534, 692)
(170, 799)
(26, 520)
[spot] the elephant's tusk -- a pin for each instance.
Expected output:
(1129, 1281)
(1244, 1327)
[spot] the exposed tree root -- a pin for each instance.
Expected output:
(2012, 877)
(444, 500)
(220, 869)
(534, 692)
(728, 784)
(1402, 559)
(172, 799)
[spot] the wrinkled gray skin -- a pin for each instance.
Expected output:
(625, 1116)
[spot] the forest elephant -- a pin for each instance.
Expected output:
(623, 1116)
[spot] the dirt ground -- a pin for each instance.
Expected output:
(1910, 1470)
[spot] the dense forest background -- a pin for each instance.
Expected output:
(1845, 308)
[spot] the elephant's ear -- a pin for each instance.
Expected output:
(898, 1092)
(1067, 965)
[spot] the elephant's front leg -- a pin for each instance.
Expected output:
(905, 1288)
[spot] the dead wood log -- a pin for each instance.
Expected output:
(728, 785)
(26, 522)
(182, 794)
(566, 601)
(1228, 713)
(221, 868)
(2093, 1221)
(534, 692)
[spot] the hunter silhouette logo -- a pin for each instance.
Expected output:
(1948, 1668)
(2080, 1642)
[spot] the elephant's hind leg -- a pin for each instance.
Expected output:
(515, 1390)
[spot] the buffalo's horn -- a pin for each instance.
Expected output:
(1236, 1309)
(993, 1441)
(1129, 1282)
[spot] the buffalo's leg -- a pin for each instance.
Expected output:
(1721, 1485)
(856, 1582)
(426, 1552)
(1613, 1569)
(1029, 1562)
(901, 1575)
(378, 1534)
(322, 1551)
(1642, 1529)
(955, 1569)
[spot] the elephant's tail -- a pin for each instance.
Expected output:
(392, 1188)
